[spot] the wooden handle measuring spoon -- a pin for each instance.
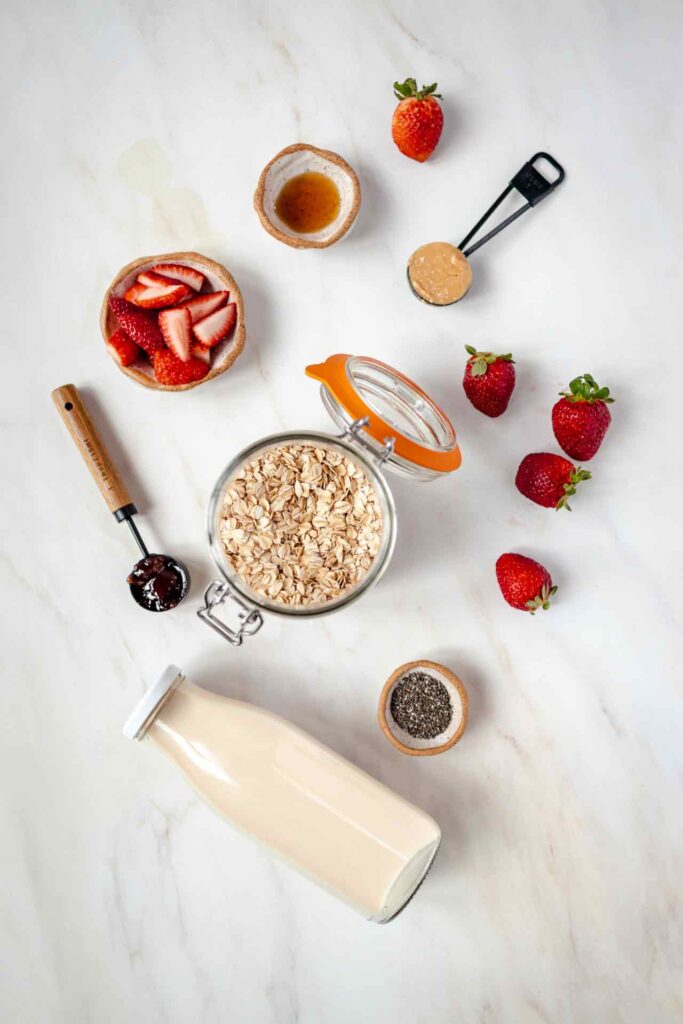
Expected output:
(91, 446)
(157, 582)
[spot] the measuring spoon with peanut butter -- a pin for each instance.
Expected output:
(440, 273)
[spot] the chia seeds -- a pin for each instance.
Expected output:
(421, 705)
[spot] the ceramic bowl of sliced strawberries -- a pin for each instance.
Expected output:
(172, 322)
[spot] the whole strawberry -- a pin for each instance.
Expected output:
(489, 381)
(581, 417)
(418, 119)
(524, 583)
(549, 480)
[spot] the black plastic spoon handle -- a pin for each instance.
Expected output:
(531, 184)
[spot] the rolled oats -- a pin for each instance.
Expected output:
(301, 524)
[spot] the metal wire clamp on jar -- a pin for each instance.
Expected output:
(387, 423)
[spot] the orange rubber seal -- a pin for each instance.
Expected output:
(332, 373)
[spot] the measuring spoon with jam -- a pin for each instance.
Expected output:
(158, 583)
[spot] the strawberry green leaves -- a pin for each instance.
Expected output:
(408, 89)
(480, 361)
(542, 600)
(585, 389)
(576, 478)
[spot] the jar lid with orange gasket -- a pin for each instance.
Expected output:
(388, 415)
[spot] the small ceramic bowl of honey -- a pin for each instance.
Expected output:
(307, 197)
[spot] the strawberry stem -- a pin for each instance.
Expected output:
(409, 90)
(570, 487)
(480, 361)
(541, 600)
(585, 389)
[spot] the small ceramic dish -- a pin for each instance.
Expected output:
(218, 278)
(401, 739)
(300, 159)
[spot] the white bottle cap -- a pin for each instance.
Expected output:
(134, 726)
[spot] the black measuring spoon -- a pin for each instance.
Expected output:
(157, 582)
(440, 273)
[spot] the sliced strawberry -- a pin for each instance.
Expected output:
(132, 293)
(178, 272)
(142, 327)
(201, 352)
(214, 328)
(122, 348)
(200, 306)
(151, 280)
(176, 327)
(168, 369)
(156, 297)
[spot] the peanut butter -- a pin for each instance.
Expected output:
(439, 273)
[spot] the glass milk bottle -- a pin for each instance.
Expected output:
(317, 811)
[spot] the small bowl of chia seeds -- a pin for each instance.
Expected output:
(423, 708)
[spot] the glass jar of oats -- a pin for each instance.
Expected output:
(303, 523)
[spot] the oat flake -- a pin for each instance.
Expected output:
(301, 524)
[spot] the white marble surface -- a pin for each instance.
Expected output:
(138, 128)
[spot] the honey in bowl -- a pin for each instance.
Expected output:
(308, 202)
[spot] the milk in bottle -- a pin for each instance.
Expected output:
(313, 808)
